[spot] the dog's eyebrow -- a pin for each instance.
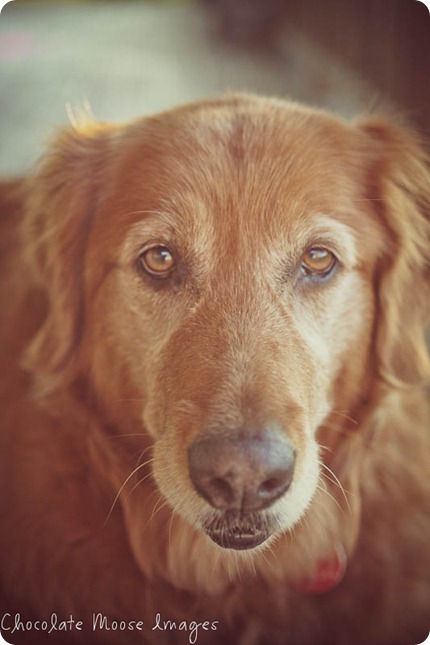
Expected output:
(163, 216)
(147, 225)
(322, 228)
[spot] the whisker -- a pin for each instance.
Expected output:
(160, 471)
(141, 454)
(323, 489)
(253, 564)
(337, 481)
(264, 556)
(170, 530)
(160, 503)
(121, 489)
(236, 560)
(345, 416)
(148, 461)
(140, 482)
(326, 448)
(216, 562)
(330, 425)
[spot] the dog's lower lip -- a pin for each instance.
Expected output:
(237, 540)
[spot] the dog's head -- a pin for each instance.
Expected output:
(239, 279)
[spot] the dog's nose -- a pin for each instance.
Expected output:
(241, 472)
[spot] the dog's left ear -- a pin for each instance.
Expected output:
(398, 183)
(63, 196)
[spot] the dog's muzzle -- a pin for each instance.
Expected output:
(241, 474)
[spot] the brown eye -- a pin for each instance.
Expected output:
(318, 261)
(157, 260)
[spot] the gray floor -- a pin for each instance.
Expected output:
(133, 58)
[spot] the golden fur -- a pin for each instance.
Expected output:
(108, 375)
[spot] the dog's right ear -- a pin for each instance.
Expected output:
(399, 186)
(63, 194)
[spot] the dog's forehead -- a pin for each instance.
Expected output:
(233, 165)
(228, 149)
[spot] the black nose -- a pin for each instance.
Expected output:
(240, 471)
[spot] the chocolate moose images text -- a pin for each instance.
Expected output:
(10, 624)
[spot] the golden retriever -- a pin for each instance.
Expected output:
(214, 423)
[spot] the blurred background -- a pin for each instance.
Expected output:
(128, 58)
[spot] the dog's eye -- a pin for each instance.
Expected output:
(318, 261)
(157, 260)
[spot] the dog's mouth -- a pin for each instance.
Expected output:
(237, 533)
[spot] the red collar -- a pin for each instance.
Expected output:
(329, 572)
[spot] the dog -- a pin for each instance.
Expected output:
(214, 415)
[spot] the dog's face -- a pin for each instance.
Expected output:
(241, 285)
(230, 291)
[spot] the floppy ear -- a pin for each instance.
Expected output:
(63, 194)
(399, 184)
